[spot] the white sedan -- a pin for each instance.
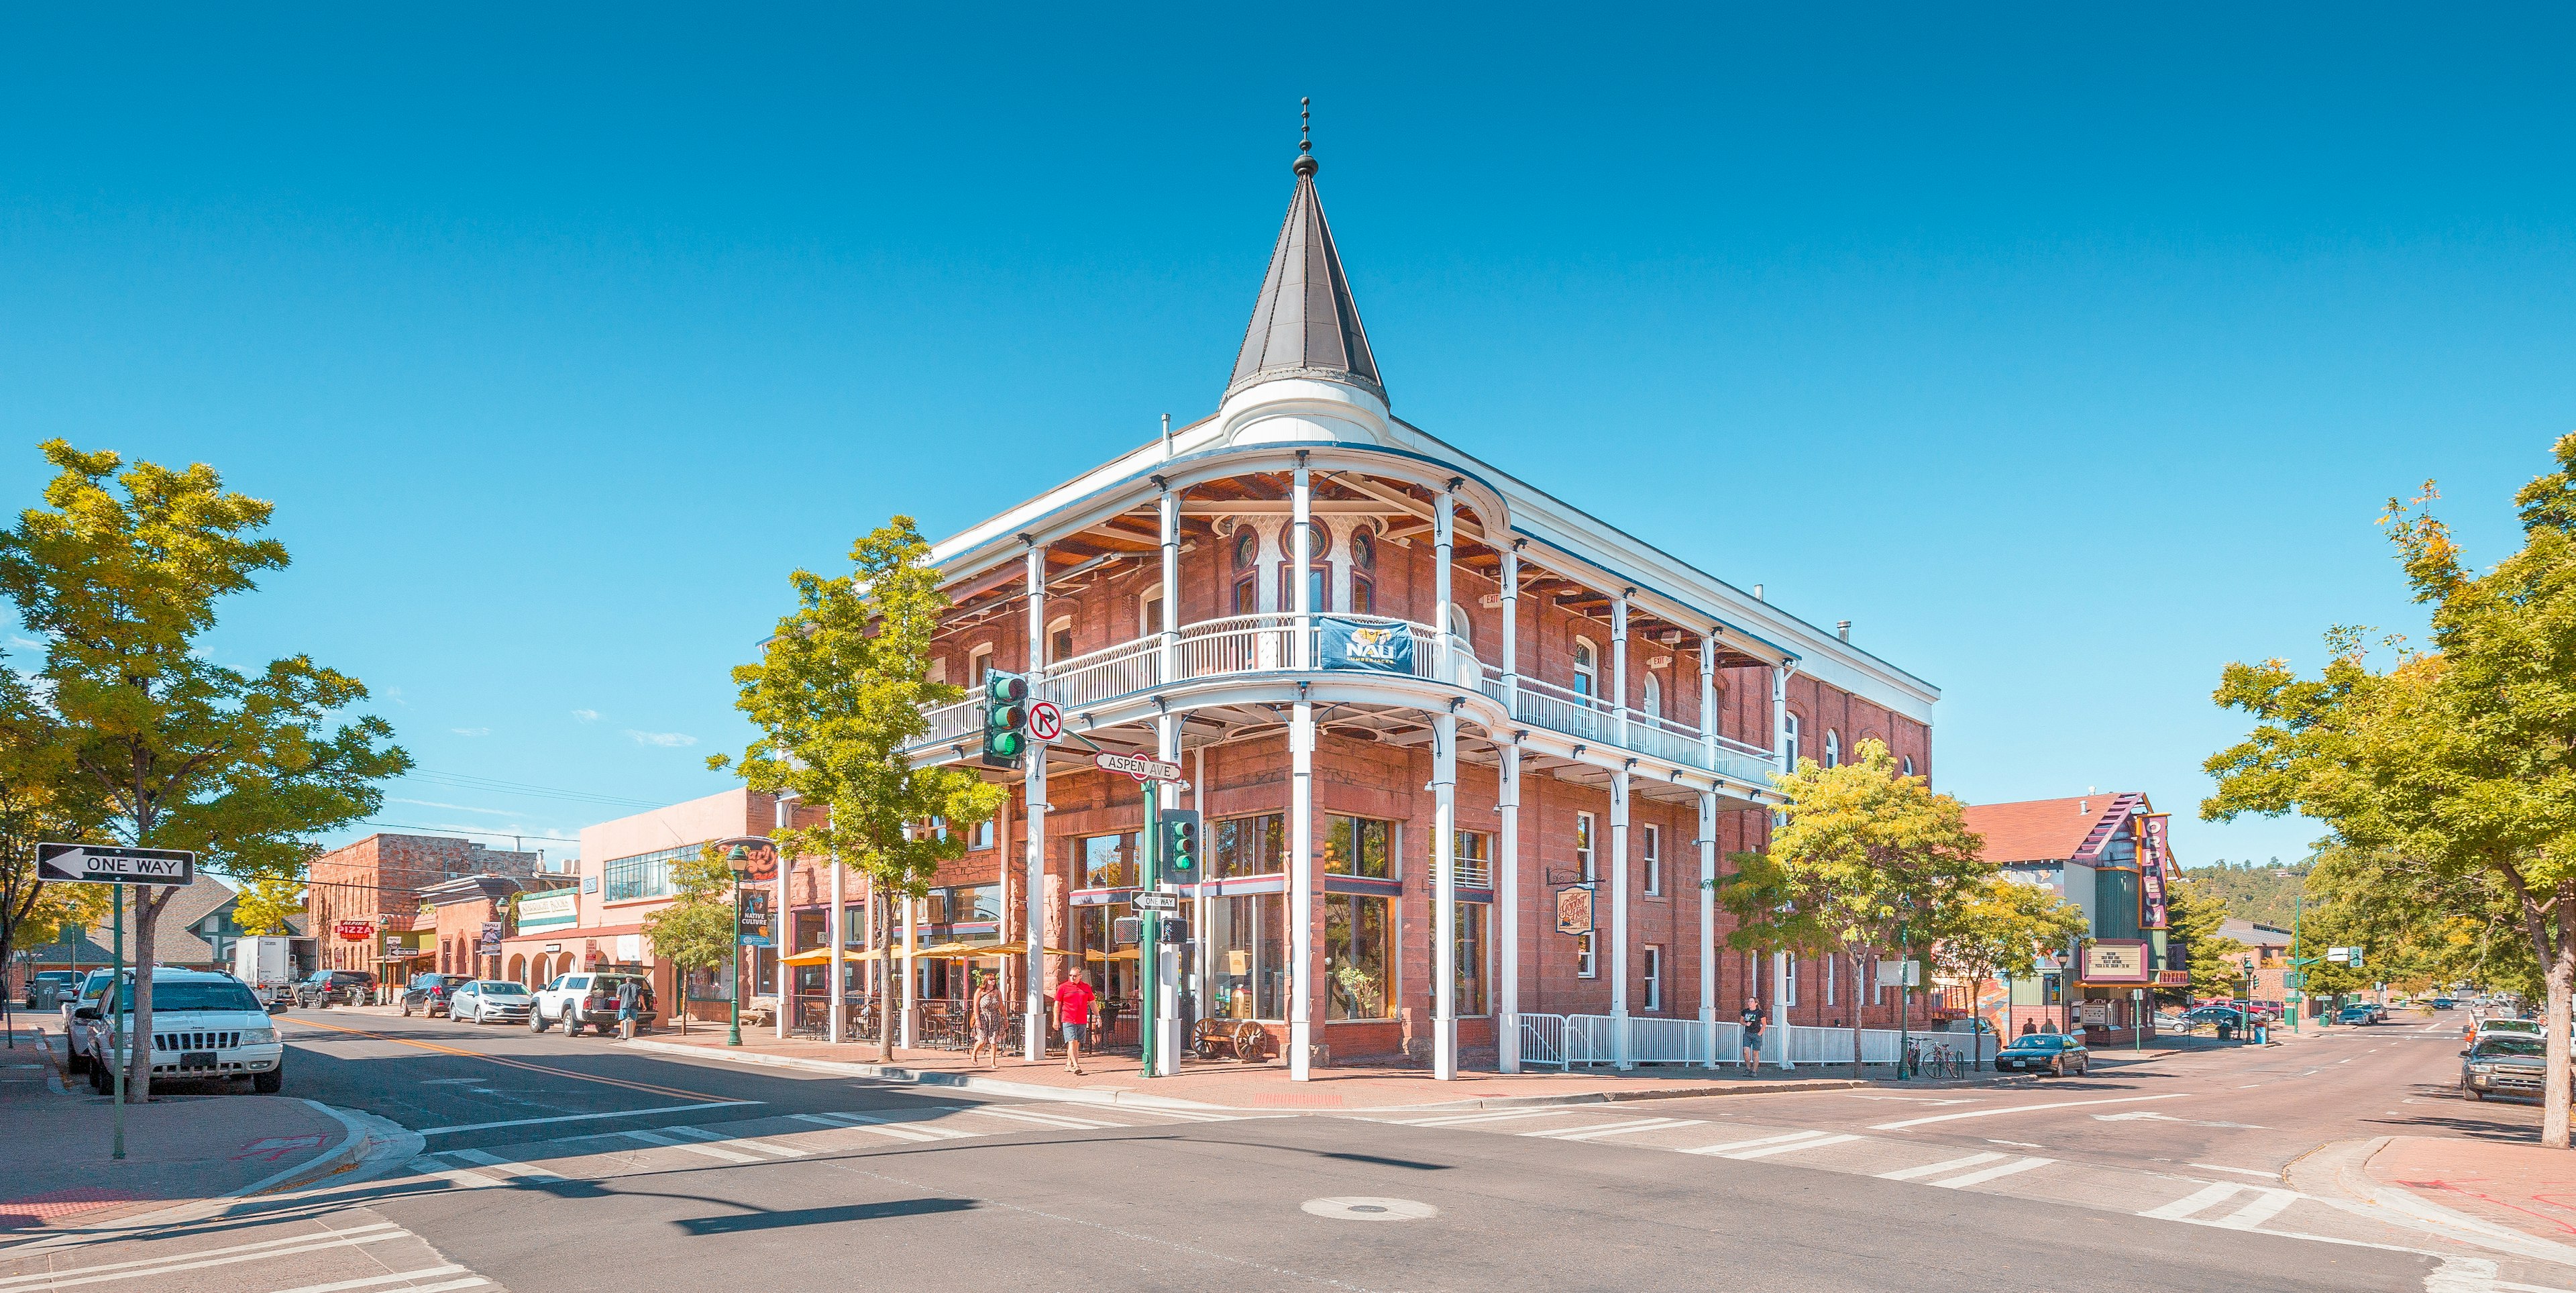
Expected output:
(488, 1000)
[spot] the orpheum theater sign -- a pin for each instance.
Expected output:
(2116, 961)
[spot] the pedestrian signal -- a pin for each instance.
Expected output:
(1180, 843)
(1006, 719)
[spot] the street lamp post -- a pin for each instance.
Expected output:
(733, 1005)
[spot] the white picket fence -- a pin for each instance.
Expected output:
(1564, 1041)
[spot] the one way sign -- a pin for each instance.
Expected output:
(107, 864)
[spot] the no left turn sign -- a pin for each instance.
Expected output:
(1046, 722)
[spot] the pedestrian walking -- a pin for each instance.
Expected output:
(1753, 1019)
(629, 997)
(1073, 999)
(987, 1021)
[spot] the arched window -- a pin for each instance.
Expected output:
(1833, 748)
(1653, 702)
(1363, 571)
(1149, 612)
(1587, 668)
(1909, 765)
(1789, 740)
(1060, 639)
(1247, 571)
(1462, 626)
(1319, 590)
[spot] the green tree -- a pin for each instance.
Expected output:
(2459, 759)
(34, 810)
(698, 929)
(2195, 915)
(839, 690)
(266, 903)
(162, 746)
(1996, 926)
(1866, 862)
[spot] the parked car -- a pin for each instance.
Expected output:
(578, 1000)
(2356, 1014)
(2508, 1064)
(47, 987)
(324, 988)
(2057, 1054)
(2486, 1028)
(428, 993)
(2215, 1017)
(204, 1025)
(484, 1000)
(2445, 1003)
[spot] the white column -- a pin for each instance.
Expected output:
(1444, 894)
(1171, 587)
(1444, 547)
(832, 931)
(911, 944)
(1777, 1035)
(1708, 697)
(1780, 718)
(1619, 664)
(1512, 627)
(1619, 911)
(1507, 897)
(1301, 517)
(1033, 892)
(1301, 886)
(1708, 921)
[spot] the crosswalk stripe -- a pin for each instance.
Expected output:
(1935, 1169)
(1999, 1170)
(39, 1277)
(343, 1285)
(909, 1130)
(759, 1146)
(502, 1165)
(1193, 1115)
(2194, 1202)
(2265, 1207)
(1471, 1119)
(73, 1278)
(1792, 1147)
(472, 1282)
(456, 1176)
(1058, 1120)
(1610, 1129)
(1733, 1145)
(710, 1151)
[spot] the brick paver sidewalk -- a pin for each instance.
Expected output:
(2511, 1183)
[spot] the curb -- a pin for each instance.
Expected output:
(925, 1077)
(2336, 1174)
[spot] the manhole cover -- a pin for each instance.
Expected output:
(1361, 1208)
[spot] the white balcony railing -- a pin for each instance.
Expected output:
(1256, 644)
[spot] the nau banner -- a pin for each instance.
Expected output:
(1350, 644)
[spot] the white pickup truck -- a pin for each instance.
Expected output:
(586, 999)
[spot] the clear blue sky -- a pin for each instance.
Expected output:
(2070, 355)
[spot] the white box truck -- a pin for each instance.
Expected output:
(267, 964)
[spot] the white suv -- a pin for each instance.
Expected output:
(204, 1025)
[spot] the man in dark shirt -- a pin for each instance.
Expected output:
(1753, 1019)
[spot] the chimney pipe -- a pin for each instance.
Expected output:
(1757, 592)
(1842, 629)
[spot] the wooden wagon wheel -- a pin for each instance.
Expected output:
(1251, 1042)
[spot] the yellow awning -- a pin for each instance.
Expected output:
(1127, 954)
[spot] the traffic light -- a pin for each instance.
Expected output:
(1180, 844)
(1006, 719)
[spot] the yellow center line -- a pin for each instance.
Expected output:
(516, 1064)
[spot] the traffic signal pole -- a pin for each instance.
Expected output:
(1149, 938)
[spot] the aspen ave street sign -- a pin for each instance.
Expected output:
(1137, 766)
(106, 864)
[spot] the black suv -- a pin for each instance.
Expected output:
(428, 993)
(335, 987)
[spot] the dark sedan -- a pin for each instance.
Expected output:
(2057, 1054)
(429, 993)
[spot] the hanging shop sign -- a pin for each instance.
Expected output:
(1351, 644)
(1574, 909)
(758, 857)
(355, 931)
(491, 940)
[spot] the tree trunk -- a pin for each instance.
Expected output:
(147, 924)
(1857, 997)
(881, 937)
(2561, 963)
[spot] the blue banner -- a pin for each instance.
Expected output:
(1350, 644)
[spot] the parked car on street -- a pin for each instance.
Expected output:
(2356, 1015)
(2507, 1064)
(204, 1025)
(47, 987)
(2057, 1054)
(2445, 1003)
(579, 1000)
(326, 988)
(2486, 1028)
(2215, 1016)
(484, 1001)
(428, 993)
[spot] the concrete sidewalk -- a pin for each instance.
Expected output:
(2511, 1183)
(1117, 1078)
(196, 1141)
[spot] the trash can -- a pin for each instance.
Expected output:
(2226, 1031)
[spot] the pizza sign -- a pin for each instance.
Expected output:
(354, 931)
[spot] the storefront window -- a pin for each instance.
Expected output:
(1108, 861)
(1474, 867)
(1251, 846)
(1358, 846)
(1355, 957)
(1248, 939)
(811, 929)
(1475, 920)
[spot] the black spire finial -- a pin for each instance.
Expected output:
(1306, 164)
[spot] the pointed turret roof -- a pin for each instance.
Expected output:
(1305, 324)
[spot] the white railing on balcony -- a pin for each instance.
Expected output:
(1254, 644)
(1475, 873)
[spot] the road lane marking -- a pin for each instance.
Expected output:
(710, 1151)
(510, 1063)
(424, 1272)
(2023, 1108)
(756, 1146)
(1935, 1169)
(1748, 1144)
(2265, 1207)
(1984, 1175)
(2195, 1201)
(75, 1278)
(502, 1165)
(1792, 1147)
(1613, 1129)
(16, 1281)
(584, 1117)
(2241, 1171)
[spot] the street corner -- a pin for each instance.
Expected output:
(60, 1155)
(2517, 1185)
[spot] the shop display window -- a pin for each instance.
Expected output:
(1358, 966)
(1359, 846)
(1247, 941)
(1251, 846)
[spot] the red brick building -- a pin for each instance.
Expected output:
(363, 892)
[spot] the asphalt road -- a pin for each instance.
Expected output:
(553, 1163)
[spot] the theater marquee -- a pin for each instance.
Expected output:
(2117, 961)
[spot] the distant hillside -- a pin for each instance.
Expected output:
(2266, 893)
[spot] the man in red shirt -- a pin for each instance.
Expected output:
(1073, 999)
